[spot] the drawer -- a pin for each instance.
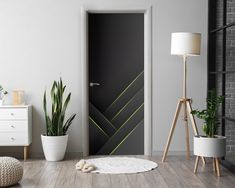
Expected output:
(14, 126)
(13, 139)
(13, 113)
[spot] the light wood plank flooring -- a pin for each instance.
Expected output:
(176, 172)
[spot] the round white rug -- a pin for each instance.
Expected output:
(121, 165)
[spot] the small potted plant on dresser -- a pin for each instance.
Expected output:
(3, 93)
(210, 145)
(54, 141)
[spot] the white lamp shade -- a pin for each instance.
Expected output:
(188, 44)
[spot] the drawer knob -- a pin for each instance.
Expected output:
(12, 138)
(12, 114)
(12, 126)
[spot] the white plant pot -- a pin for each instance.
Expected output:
(54, 147)
(210, 147)
(1, 102)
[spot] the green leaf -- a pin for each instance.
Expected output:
(68, 123)
(45, 109)
(209, 114)
(55, 125)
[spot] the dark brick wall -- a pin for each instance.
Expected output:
(230, 66)
(230, 78)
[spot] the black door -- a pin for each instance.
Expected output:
(116, 84)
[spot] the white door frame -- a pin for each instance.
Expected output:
(147, 73)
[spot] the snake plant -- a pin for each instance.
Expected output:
(55, 125)
(209, 114)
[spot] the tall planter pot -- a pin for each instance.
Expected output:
(210, 147)
(54, 147)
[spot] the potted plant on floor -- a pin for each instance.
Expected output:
(3, 93)
(210, 145)
(54, 141)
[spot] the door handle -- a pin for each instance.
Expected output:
(94, 84)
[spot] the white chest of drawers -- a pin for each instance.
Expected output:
(16, 126)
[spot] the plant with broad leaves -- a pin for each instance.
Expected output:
(55, 125)
(209, 115)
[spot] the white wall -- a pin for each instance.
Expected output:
(40, 40)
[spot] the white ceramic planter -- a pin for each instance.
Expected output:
(54, 147)
(1, 102)
(210, 147)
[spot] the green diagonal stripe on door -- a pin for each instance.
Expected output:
(101, 120)
(99, 127)
(128, 109)
(115, 139)
(131, 116)
(124, 106)
(126, 89)
(125, 138)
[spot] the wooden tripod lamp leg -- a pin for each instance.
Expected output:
(172, 130)
(214, 165)
(189, 107)
(217, 167)
(196, 165)
(186, 131)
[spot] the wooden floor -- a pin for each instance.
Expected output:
(175, 172)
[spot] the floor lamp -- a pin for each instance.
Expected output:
(185, 45)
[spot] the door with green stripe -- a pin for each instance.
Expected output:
(116, 83)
